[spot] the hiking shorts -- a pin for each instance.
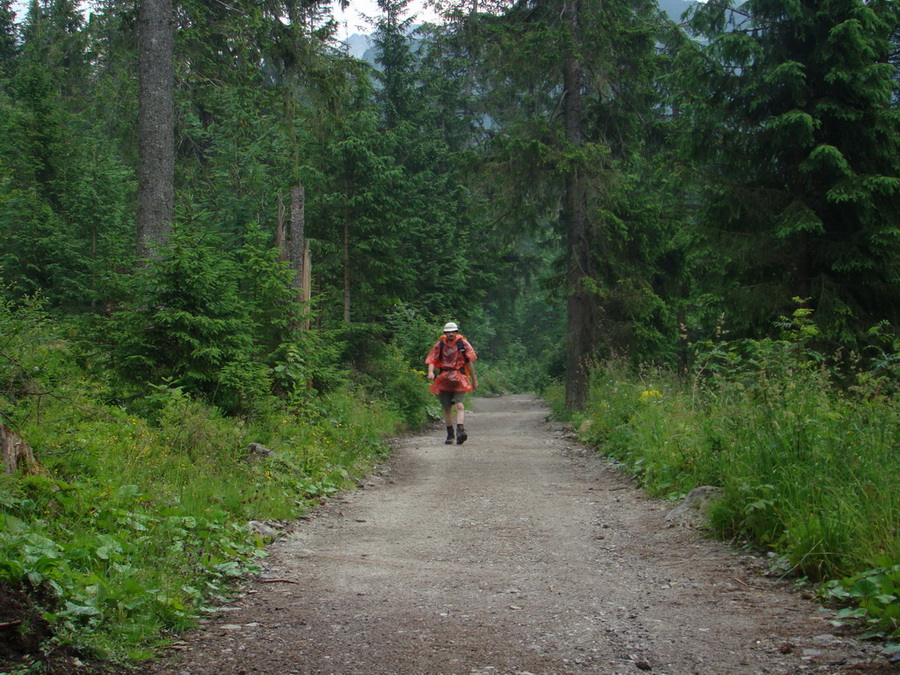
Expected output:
(448, 398)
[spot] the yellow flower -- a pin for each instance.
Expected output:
(649, 394)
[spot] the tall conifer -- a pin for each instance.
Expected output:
(799, 144)
(564, 94)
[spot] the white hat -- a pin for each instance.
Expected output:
(450, 327)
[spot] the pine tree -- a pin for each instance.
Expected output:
(565, 100)
(65, 213)
(8, 42)
(799, 144)
(394, 193)
(156, 125)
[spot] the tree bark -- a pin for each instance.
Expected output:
(279, 229)
(346, 269)
(470, 27)
(347, 193)
(16, 450)
(156, 125)
(296, 241)
(580, 301)
(298, 249)
(306, 297)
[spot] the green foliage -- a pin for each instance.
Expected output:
(808, 468)
(310, 362)
(63, 199)
(8, 38)
(190, 327)
(411, 334)
(388, 195)
(265, 285)
(520, 335)
(138, 520)
(110, 570)
(64, 193)
(382, 370)
(876, 593)
(522, 370)
(790, 128)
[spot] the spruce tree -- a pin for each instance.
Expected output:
(797, 136)
(8, 42)
(565, 97)
(65, 216)
(156, 125)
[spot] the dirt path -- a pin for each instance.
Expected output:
(513, 553)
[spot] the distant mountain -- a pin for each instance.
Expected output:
(361, 46)
(358, 44)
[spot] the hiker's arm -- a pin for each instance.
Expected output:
(430, 371)
(472, 373)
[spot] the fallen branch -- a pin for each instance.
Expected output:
(752, 588)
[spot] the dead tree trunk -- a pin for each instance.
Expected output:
(295, 243)
(16, 450)
(298, 251)
(307, 286)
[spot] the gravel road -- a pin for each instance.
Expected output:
(517, 552)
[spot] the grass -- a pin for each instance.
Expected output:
(135, 527)
(809, 469)
(138, 520)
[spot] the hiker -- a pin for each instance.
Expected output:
(453, 356)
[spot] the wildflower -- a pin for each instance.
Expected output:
(650, 394)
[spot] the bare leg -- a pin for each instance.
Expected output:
(460, 414)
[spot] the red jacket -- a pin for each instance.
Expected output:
(451, 358)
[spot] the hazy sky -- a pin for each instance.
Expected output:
(356, 24)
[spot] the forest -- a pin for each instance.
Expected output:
(227, 245)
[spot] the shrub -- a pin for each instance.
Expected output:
(809, 469)
(139, 518)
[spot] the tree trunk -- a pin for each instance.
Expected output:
(297, 246)
(347, 192)
(346, 270)
(296, 241)
(470, 27)
(580, 303)
(306, 297)
(16, 450)
(279, 230)
(156, 125)
(803, 266)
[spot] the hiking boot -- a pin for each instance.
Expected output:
(449, 440)
(461, 437)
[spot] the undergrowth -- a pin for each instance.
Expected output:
(804, 448)
(139, 515)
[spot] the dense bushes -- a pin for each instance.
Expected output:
(140, 512)
(808, 468)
